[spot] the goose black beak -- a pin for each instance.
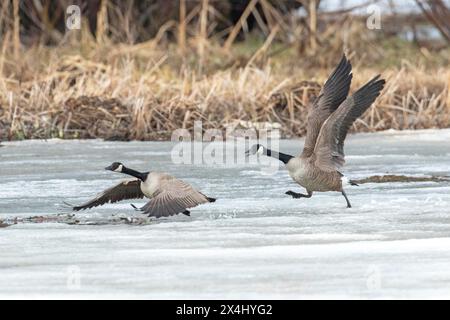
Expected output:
(109, 168)
(252, 150)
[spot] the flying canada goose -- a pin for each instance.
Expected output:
(329, 119)
(169, 196)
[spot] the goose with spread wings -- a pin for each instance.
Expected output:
(329, 119)
(168, 195)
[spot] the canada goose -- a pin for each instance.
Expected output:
(169, 196)
(331, 115)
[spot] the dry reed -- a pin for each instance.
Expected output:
(80, 98)
(87, 88)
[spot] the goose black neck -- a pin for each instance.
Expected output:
(140, 175)
(283, 157)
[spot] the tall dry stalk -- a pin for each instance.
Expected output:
(448, 91)
(5, 46)
(313, 25)
(238, 26)
(16, 30)
(182, 28)
(102, 22)
(203, 33)
(265, 46)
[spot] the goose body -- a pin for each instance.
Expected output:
(329, 119)
(304, 172)
(150, 186)
(168, 195)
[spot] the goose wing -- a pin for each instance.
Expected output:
(333, 93)
(128, 189)
(172, 197)
(329, 149)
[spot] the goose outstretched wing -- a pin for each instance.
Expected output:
(333, 93)
(329, 149)
(127, 189)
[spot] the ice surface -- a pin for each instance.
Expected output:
(254, 242)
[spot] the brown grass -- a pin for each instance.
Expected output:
(390, 178)
(87, 88)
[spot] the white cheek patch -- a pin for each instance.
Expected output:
(260, 150)
(119, 168)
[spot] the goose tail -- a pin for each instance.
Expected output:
(347, 182)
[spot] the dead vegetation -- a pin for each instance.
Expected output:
(88, 87)
(391, 178)
(72, 219)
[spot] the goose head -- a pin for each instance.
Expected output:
(255, 149)
(115, 166)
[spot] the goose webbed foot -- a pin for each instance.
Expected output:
(296, 195)
(136, 208)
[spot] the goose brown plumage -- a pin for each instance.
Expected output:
(329, 119)
(168, 195)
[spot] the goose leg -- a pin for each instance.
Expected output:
(135, 208)
(346, 199)
(141, 210)
(296, 195)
